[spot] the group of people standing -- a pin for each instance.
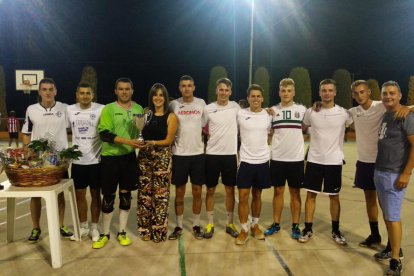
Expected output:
(173, 151)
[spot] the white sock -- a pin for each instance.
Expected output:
(255, 221)
(210, 216)
(94, 226)
(123, 220)
(84, 224)
(245, 227)
(229, 217)
(180, 219)
(106, 221)
(196, 220)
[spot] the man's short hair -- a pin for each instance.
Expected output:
(224, 81)
(254, 87)
(186, 77)
(47, 80)
(327, 81)
(123, 79)
(391, 83)
(84, 85)
(358, 83)
(286, 81)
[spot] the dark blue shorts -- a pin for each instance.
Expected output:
(86, 175)
(253, 176)
(329, 175)
(185, 166)
(224, 165)
(292, 172)
(364, 176)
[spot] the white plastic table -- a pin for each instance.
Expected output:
(49, 194)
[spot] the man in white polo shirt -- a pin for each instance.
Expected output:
(325, 158)
(84, 118)
(221, 154)
(46, 119)
(253, 174)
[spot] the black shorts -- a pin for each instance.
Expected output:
(292, 172)
(122, 170)
(226, 165)
(330, 175)
(86, 175)
(253, 176)
(364, 176)
(13, 135)
(184, 166)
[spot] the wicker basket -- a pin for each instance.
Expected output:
(36, 177)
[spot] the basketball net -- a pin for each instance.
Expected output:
(27, 85)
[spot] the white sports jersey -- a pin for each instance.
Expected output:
(222, 126)
(367, 123)
(254, 128)
(191, 118)
(49, 123)
(84, 123)
(287, 140)
(327, 134)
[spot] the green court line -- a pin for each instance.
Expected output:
(182, 255)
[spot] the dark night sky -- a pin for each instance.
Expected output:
(158, 41)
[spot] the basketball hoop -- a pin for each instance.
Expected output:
(27, 85)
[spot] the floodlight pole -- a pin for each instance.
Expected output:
(251, 44)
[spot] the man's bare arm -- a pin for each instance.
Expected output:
(406, 173)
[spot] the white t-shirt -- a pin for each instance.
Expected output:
(287, 140)
(254, 128)
(327, 134)
(222, 126)
(84, 124)
(49, 123)
(367, 123)
(191, 118)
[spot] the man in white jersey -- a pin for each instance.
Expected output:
(253, 174)
(46, 119)
(221, 154)
(188, 154)
(84, 118)
(325, 158)
(287, 156)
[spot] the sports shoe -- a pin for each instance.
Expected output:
(231, 230)
(272, 229)
(123, 238)
(209, 231)
(103, 239)
(338, 238)
(64, 232)
(242, 237)
(295, 232)
(257, 233)
(386, 254)
(306, 235)
(34, 235)
(395, 267)
(197, 232)
(84, 231)
(370, 241)
(176, 233)
(94, 234)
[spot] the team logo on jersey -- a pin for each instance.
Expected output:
(181, 106)
(59, 114)
(77, 113)
(247, 118)
(93, 116)
(297, 115)
(82, 130)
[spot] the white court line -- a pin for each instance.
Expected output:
(21, 202)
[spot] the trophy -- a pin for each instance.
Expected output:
(140, 123)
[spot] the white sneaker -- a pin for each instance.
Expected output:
(94, 234)
(84, 231)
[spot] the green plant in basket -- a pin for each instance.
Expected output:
(71, 153)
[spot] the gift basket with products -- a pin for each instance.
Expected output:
(38, 164)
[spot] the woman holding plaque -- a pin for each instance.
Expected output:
(155, 165)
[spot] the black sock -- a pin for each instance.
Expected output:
(373, 225)
(308, 226)
(294, 225)
(276, 223)
(335, 226)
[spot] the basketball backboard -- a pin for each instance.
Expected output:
(28, 79)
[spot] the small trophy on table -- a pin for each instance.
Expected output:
(140, 123)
